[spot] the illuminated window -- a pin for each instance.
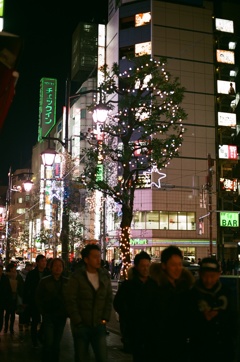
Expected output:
(142, 19)
(152, 220)
(20, 211)
(173, 221)
(164, 220)
(143, 48)
(224, 25)
(139, 220)
(225, 56)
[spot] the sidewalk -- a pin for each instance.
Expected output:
(12, 350)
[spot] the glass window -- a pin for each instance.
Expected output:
(139, 220)
(191, 221)
(142, 19)
(128, 22)
(163, 220)
(173, 221)
(83, 113)
(143, 48)
(20, 211)
(152, 220)
(126, 52)
(182, 221)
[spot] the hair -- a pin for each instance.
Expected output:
(140, 256)
(40, 257)
(169, 252)
(9, 267)
(54, 260)
(209, 264)
(88, 248)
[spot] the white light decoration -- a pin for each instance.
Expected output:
(232, 45)
(155, 170)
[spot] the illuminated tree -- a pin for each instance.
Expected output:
(144, 131)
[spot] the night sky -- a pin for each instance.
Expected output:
(46, 29)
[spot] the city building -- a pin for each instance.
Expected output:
(188, 206)
(194, 202)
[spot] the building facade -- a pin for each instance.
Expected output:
(185, 209)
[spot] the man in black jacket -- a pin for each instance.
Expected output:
(32, 279)
(50, 302)
(5, 293)
(135, 302)
(213, 317)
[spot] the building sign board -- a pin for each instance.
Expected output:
(229, 219)
(47, 106)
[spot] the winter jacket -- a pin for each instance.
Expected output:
(84, 304)
(50, 297)
(5, 291)
(16, 294)
(30, 285)
(212, 339)
(172, 335)
(135, 302)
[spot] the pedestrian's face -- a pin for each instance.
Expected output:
(209, 278)
(93, 261)
(173, 267)
(42, 263)
(57, 268)
(143, 268)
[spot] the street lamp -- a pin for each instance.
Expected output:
(100, 113)
(27, 185)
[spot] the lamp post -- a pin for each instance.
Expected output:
(99, 116)
(27, 185)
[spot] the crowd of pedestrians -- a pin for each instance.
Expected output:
(165, 313)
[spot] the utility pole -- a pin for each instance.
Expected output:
(209, 189)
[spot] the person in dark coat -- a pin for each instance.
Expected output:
(135, 302)
(15, 299)
(50, 303)
(88, 298)
(174, 283)
(5, 295)
(32, 279)
(213, 317)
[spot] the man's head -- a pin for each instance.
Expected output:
(28, 266)
(171, 260)
(11, 270)
(41, 262)
(91, 256)
(209, 272)
(142, 263)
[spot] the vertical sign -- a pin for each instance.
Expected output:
(47, 106)
(1, 7)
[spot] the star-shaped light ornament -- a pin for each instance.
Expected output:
(162, 175)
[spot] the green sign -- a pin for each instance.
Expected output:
(47, 106)
(99, 175)
(1, 7)
(229, 219)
